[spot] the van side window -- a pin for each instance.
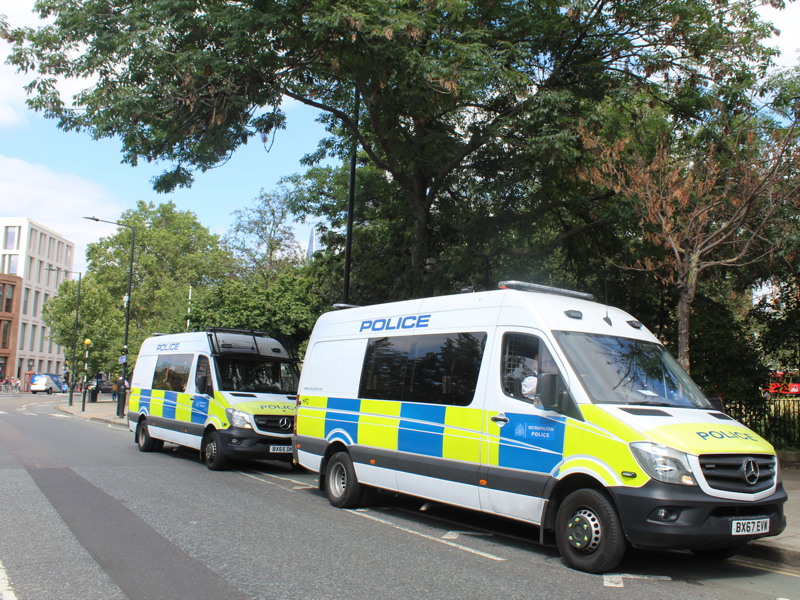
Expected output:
(524, 359)
(202, 376)
(435, 369)
(172, 372)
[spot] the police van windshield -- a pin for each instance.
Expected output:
(616, 370)
(256, 374)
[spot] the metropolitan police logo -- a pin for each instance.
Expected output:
(750, 471)
(285, 423)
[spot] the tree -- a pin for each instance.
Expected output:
(188, 82)
(703, 199)
(261, 237)
(173, 252)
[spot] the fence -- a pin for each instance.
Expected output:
(776, 419)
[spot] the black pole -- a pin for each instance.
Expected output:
(122, 397)
(75, 342)
(351, 201)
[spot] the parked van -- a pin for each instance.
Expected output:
(226, 392)
(48, 383)
(540, 405)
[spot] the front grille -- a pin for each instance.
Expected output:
(727, 472)
(272, 423)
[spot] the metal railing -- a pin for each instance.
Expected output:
(776, 419)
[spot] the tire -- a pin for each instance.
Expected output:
(718, 553)
(49, 391)
(341, 484)
(589, 533)
(211, 452)
(144, 441)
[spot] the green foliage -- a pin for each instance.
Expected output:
(172, 252)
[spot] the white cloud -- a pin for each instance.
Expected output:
(787, 21)
(58, 201)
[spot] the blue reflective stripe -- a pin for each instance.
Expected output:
(170, 401)
(531, 442)
(346, 420)
(421, 429)
(199, 409)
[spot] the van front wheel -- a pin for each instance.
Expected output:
(211, 452)
(341, 485)
(589, 533)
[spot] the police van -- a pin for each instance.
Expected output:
(228, 393)
(540, 405)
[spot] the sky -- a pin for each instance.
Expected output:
(56, 178)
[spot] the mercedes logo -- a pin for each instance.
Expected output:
(285, 423)
(751, 471)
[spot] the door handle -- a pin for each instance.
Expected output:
(499, 419)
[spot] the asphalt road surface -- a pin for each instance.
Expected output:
(84, 515)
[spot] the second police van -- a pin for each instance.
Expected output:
(228, 393)
(540, 405)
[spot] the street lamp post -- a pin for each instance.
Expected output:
(74, 332)
(121, 397)
(88, 343)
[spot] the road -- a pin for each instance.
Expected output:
(84, 515)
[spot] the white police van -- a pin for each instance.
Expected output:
(540, 405)
(229, 393)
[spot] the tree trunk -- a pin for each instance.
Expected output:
(687, 288)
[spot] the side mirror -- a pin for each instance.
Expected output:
(548, 390)
(717, 404)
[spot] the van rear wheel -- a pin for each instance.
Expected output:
(144, 441)
(589, 533)
(341, 484)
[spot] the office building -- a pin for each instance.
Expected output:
(34, 260)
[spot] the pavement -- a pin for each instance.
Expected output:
(783, 549)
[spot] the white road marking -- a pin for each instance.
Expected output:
(366, 515)
(616, 579)
(6, 593)
(299, 485)
(454, 535)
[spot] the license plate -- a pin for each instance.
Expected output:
(750, 526)
(280, 449)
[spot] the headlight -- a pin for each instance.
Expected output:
(238, 418)
(663, 463)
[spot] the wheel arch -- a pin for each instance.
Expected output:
(561, 488)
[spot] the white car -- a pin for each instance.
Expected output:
(44, 382)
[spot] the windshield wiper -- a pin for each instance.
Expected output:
(650, 403)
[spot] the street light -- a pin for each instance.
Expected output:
(75, 331)
(121, 398)
(87, 342)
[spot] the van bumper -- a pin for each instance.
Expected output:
(702, 522)
(249, 445)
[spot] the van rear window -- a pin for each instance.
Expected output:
(435, 369)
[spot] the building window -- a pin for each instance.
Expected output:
(32, 338)
(9, 298)
(25, 295)
(42, 334)
(11, 262)
(22, 332)
(11, 238)
(5, 334)
(35, 304)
